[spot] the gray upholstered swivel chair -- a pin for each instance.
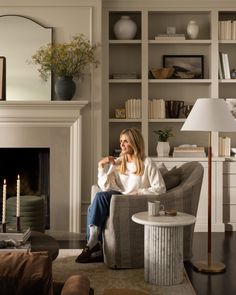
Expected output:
(123, 240)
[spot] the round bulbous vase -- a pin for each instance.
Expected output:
(125, 28)
(163, 149)
(192, 29)
(65, 88)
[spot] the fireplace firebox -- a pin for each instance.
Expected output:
(33, 166)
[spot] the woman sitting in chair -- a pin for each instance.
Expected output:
(132, 173)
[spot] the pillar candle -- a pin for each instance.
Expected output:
(4, 200)
(18, 196)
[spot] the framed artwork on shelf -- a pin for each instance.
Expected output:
(2, 78)
(185, 66)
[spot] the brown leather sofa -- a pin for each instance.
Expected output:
(31, 273)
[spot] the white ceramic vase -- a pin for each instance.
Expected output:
(192, 29)
(125, 28)
(163, 149)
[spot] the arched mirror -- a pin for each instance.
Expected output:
(20, 38)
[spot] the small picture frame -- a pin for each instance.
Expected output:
(185, 66)
(171, 30)
(120, 113)
(2, 78)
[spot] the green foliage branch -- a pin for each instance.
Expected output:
(65, 59)
(164, 134)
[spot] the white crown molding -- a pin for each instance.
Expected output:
(174, 4)
(52, 3)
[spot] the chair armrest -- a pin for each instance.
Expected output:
(178, 198)
(94, 189)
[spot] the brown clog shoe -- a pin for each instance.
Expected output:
(90, 255)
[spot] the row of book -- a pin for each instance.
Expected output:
(224, 146)
(224, 68)
(189, 151)
(133, 108)
(156, 108)
(227, 30)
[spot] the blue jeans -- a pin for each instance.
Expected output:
(99, 210)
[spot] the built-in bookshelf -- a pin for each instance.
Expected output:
(227, 47)
(145, 52)
(128, 75)
(129, 79)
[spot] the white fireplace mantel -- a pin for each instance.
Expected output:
(53, 114)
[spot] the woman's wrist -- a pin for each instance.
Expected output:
(100, 165)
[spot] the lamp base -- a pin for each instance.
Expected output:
(213, 267)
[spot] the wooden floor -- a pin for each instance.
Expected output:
(223, 250)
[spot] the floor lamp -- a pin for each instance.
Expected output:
(210, 115)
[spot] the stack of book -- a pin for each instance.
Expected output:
(224, 68)
(124, 75)
(15, 241)
(224, 146)
(156, 108)
(227, 30)
(170, 37)
(133, 108)
(20, 237)
(189, 151)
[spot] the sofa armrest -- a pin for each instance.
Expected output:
(76, 285)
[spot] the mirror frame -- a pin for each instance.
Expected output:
(50, 41)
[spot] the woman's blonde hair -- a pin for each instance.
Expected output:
(136, 142)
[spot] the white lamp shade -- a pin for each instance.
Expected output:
(210, 114)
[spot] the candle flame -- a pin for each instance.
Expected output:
(18, 176)
(4, 181)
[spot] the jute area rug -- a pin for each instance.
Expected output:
(102, 277)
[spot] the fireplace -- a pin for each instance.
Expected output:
(33, 166)
(53, 129)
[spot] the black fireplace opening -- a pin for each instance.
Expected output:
(33, 166)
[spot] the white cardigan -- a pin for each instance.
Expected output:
(151, 182)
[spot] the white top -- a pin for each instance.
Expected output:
(181, 219)
(151, 182)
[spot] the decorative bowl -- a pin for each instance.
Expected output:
(233, 150)
(162, 73)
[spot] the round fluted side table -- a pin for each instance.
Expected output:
(163, 246)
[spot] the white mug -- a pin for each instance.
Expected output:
(159, 207)
(154, 208)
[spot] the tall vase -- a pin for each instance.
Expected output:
(125, 28)
(65, 88)
(192, 29)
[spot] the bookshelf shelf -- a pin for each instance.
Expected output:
(168, 120)
(116, 81)
(113, 120)
(185, 42)
(181, 81)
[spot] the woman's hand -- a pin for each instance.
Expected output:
(106, 160)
